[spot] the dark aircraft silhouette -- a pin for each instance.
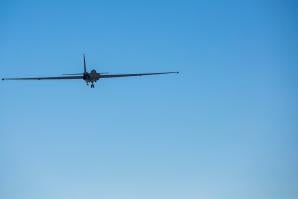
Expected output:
(88, 77)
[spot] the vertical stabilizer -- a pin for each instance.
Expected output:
(85, 68)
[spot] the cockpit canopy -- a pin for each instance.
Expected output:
(93, 71)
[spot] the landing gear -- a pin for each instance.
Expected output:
(91, 83)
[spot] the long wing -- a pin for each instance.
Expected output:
(133, 74)
(46, 78)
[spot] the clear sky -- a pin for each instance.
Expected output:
(225, 128)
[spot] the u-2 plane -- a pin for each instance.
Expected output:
(89, 77)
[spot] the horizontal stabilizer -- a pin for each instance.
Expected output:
(74, 74)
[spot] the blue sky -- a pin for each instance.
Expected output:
(226, 127)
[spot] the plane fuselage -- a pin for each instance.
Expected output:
(91, 77)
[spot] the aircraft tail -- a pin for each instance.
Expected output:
(85, 67)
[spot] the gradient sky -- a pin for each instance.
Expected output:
(226, 127)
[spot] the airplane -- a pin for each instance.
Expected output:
(89, 77)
